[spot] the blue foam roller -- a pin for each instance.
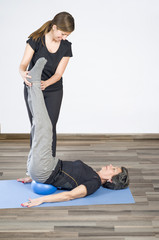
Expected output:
(42, 188)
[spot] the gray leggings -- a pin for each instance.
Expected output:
(40, 162)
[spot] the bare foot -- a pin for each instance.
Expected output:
(25, 180)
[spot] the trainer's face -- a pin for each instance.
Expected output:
(109, 171)
(60, 35)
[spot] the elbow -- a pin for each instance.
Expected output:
(69, 196)
(65, 196)
(22, 67)
(58, 76)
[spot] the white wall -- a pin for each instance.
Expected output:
(111, 85)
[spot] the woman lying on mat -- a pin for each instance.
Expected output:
(75, 176)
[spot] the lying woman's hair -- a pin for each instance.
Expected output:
(119, 181)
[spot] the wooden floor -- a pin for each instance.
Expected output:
(139, 221)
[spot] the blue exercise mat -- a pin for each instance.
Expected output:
(14, 193)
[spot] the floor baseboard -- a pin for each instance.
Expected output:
(25, 136)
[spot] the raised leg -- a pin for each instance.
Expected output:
(40, 160)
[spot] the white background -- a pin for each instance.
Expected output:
(111, 84)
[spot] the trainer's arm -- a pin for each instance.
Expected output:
(28, 54)
(77, 192)
(58, 74)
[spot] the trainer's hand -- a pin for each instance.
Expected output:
(25, 75)
(44, 85)
(32, 202)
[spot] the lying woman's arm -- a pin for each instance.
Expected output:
(77, 192)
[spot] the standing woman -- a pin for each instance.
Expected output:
(49, 41)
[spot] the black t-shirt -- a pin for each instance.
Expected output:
(69, 175)
(53, 59)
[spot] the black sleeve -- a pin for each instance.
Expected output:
(68, 52)
(92, 186)
(33, 44)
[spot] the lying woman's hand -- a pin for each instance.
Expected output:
(32, 202)
(25, 180)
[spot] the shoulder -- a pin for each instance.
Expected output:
(34, 43)
(92, 185)
(66, 48)
(33, 40)
(66, 43)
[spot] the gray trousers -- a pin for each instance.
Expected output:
(40, 162)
